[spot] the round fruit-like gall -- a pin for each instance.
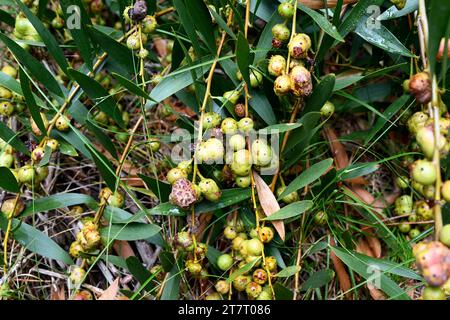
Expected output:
(253, 290)
(62, 123)
(133, 42)
(183, 241)
(242, 163)
(404, 227)
(186, 166)
(245, 125)
(277, 65)
(261, 152)
(237, 142)
(5, 93)
(210, 189)
(75, 249)
(444, 235)
(149, 24)
(77, 275)
(222, 287)
(201, 249)
(265, 295)
(237, 242)
(213, 150)
(301, 83)
(276, 43)
(155, 144)
(425, 140)
(38, 154)
(10, 71)
(225, 262)
(404, 200)
(256, 78)
(420, 87)
(433, 293)
(429, 191)
(229, 126)
(299, 46)
(266, 234)
(208, 121)
(424, 172)
(58, 22)
(53, 144)
(183, 193)
(243, 182)
(6, 160)
(175, 174)
(414, 233)
(281, 32)
(327, 109)
(289, 198)
(423, 210)
(139, 11)
(260, 276)
(402, 182)
(117, 199)
(240, 282)
(212, 295)
(232, 96)
(143, 53)
(254, 247)
(12, 208)
(286, 10)
(193, 267)
(230, 232)
(270, 264)
(446, 190)
(6, 108)
(417, 121)
(282, 85)
(26, 174)
(41, 173)
(321, 218)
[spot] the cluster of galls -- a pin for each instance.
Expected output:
(185, 193)
(244, 249)
(88, 238)
(195, 254)
(432, 258)
(10, 102)
(295, 78)
(147, 25)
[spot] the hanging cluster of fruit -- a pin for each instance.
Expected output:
(291, 74)
(245, 248)
(146, 25)
(432, 258)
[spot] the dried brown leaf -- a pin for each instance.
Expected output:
(375, 246)
(58, 293)
(123, 249)
(339, 267)
(111, 292)
(269, 203)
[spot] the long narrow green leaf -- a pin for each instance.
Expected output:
(50, 41)
(36, 69)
